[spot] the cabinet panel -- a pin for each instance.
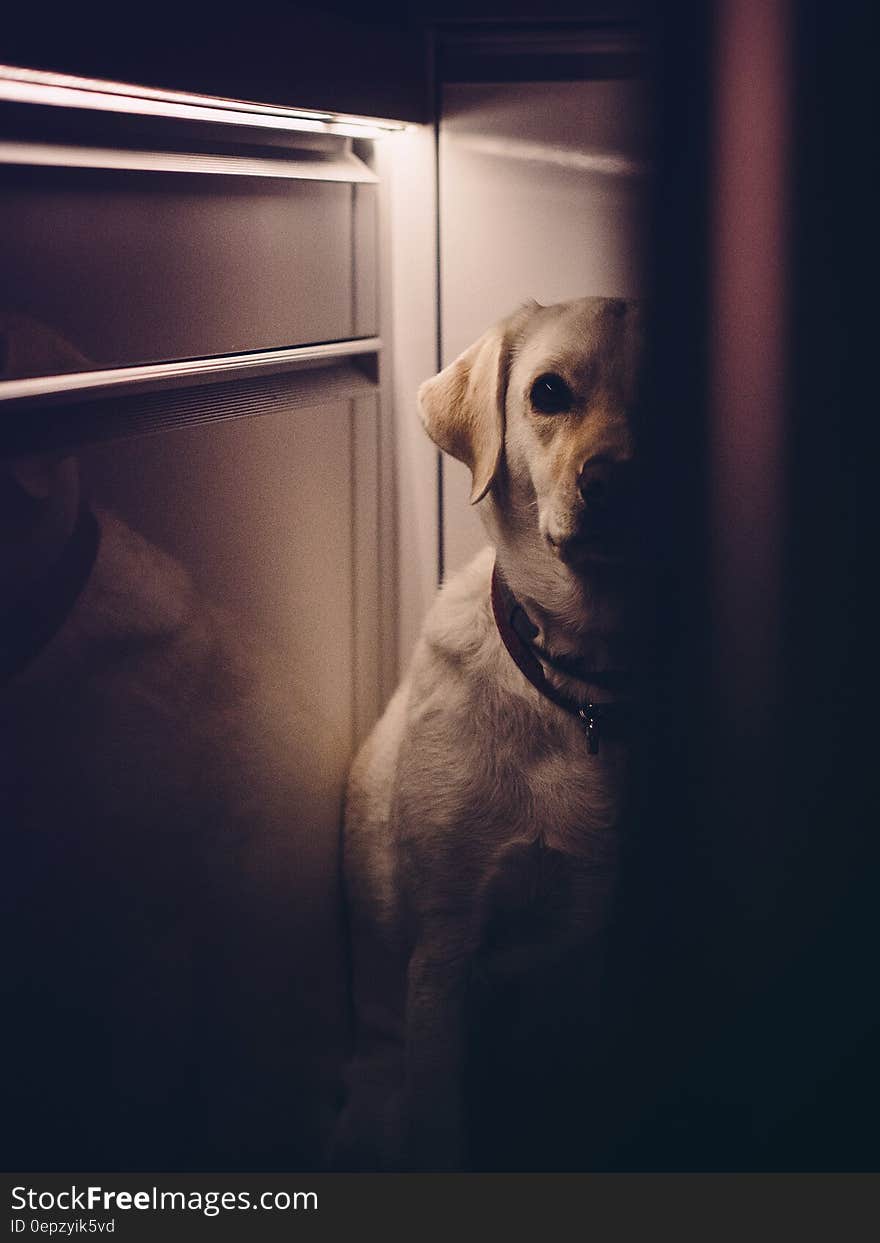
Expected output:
(260, 512)
(132, 268)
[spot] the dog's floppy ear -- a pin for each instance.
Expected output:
(462, 408)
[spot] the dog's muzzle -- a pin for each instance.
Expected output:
(606, 525)
(608, 493)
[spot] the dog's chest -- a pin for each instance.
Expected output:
(536, 902)
(527, 894)
(550, 880)
(574, 799)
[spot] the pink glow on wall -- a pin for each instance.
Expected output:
(748, 344)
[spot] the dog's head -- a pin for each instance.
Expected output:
(541, 411)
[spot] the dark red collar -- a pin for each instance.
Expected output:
(518, 633)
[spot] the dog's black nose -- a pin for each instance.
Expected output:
(606, 486)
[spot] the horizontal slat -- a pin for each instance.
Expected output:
(119, 415)
(314, 166)
(55, 90)
(45, 390)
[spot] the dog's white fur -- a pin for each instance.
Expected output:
(472, 780)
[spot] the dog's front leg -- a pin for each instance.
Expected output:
(435, 1050)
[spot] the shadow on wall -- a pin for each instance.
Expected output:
(175, 979)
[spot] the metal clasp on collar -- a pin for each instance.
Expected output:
(591, 716)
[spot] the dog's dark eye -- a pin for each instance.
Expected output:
(550, 394)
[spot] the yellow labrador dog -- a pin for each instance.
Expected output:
(494, 781)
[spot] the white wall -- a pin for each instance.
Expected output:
(541, 190)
